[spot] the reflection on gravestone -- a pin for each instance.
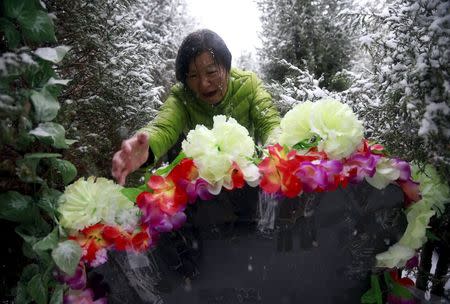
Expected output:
(318, 248)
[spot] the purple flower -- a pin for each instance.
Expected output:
(82, 297)
(365, 164)
(77, 281)
(312, 176)
(197, 188)
(404, 168)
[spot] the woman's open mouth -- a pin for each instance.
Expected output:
(210, 94)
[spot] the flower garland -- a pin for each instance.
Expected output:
(321, 147)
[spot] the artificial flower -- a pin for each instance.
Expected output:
(385, 173)
(278, 172)
(82, 297)
(93, 244)
(169, 193)
(418, 216)
(432, 187)
(222, 152)
(76, 281)
(295, 125)
(334, 122)
(88, 202)
(139, 240)
(396, 256)
(156, 219)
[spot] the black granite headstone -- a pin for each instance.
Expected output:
(237, 248)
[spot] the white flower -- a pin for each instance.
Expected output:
(215, 150)
(385, 173)
(340, 130)
(396, 256)
(87, 202)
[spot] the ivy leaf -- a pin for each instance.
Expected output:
(46, 107)
(28, 272)
(37, 289)
(37, 26)
(26, 170)
(67, 170)
(21, 294)
(67, 255)
(49, 201)
(57, 295)
(15, 207)
(54, 55)
(14, 8)
(48, 242)
(51, 133)
(131, 193)
(11, 33)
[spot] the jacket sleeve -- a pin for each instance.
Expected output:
(264, 114)
(165, 129)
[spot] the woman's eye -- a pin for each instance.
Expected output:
(193, 76)
(211, 72)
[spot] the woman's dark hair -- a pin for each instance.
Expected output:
(196, 43)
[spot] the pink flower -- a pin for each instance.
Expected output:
(82, 297)
(77, 281)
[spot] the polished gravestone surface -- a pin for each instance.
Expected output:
(238, 248)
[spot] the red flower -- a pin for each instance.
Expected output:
(278, 172)
(139, 241)
(237, 177)
(91, 240)
(169, 193)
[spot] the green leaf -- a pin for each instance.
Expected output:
(28, 272)
(131, 193)
(48, 242)
(14, 8)
(11, 33)
(401, 291)
(373, 295)
(46, 107)
(57, 295)
(51, 133)
(22, 296)
(67, 255)
(37, 290)
(431, 236)
(42, 155)
(176, 161)
(15, 206)
(37, 26)
(54, 55)
(49, 201)
(307, 143)
(67, 170)
(26, 170)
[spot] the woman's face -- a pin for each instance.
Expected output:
(207, 79)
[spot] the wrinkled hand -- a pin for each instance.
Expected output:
(132, 155)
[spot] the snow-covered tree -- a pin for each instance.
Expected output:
(121, 66)
(304, 33)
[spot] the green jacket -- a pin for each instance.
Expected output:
(246, 101)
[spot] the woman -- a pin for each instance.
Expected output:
(208, 86)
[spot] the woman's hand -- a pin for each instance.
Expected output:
(132, 155)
